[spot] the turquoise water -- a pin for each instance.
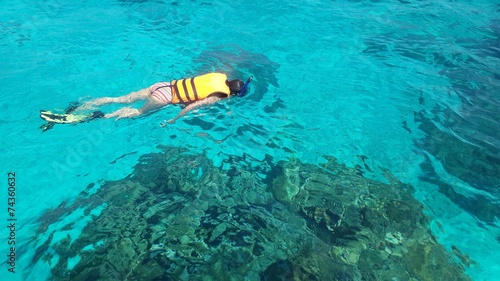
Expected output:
(408, 86)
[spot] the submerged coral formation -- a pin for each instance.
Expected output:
(177, 217)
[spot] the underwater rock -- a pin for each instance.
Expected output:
(286, 184)
(157, 247)
(366, 222)
(394, 238)
(177, 217)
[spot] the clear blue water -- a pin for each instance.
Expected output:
(408, 86)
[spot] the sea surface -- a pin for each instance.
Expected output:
(410, 87)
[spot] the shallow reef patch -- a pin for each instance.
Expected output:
(178, 217)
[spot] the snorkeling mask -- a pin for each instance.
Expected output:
(242, 91)
(236, 86)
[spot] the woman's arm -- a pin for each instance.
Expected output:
(194, 105)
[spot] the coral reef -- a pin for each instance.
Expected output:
(177, 217)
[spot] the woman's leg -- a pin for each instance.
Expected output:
(128, 112)
(125, 112)
(130, 98)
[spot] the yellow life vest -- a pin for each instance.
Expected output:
(200, 87)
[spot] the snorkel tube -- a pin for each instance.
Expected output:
(242, 91)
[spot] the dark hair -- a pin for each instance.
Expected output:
(235, 86)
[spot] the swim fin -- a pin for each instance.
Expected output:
(69, 118)
(71, 107)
